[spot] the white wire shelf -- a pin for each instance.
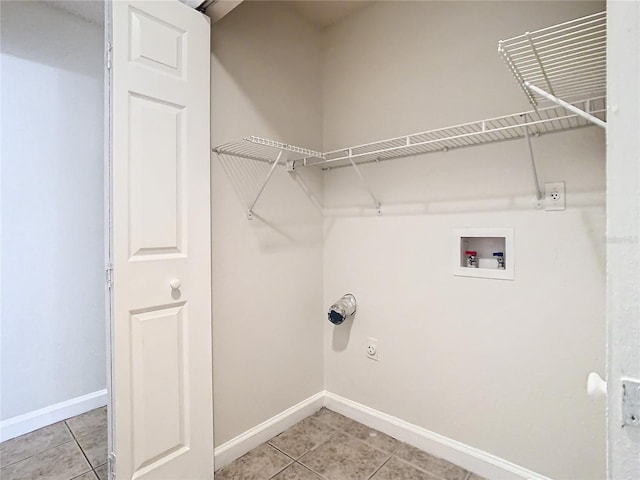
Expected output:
(567, 61)
(565, 64)
(264, 150)
(508, 127)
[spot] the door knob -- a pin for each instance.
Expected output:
(175, 284)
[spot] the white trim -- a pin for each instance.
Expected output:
(469, 458)
(28, 422)
(247, 441)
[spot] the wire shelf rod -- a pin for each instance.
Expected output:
(568, 106)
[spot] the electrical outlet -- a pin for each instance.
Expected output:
(372, 348)
(554, 196)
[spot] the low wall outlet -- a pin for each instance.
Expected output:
(554, 196)
(372, 348)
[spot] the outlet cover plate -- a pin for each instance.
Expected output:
(554, 196)
(372, 342)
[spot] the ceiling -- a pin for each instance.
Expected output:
(325, 13)
(320, 13)
(91, 11)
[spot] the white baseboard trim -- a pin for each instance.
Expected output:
(28, 422)
(247, 441)
(469, 458)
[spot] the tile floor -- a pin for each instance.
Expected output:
(73, 449)
(324, 446)
(329, 446)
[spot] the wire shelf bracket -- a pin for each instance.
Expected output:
(262, 150)
(533, 164)
(376, 202)
(562, 63)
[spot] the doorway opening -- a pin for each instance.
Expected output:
(54, 298)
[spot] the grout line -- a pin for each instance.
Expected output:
(95, 470)
(78, 444)
(312, 471)
(280, 450)
(435, 476)
(282, 469)
(35, 454)
(39, 451)
(96, 475)
(380, 467)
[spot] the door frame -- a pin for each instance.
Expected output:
(108, 222)
(623, 231)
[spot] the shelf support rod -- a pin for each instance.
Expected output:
(365, 184)
(593, 119)
(533, 160)
(540, 64)
(264, 184)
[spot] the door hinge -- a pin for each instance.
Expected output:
(108, 56)
(111, 466)
(630, 403)
(109, 275)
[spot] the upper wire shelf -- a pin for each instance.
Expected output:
(508, 127)
(565, 64)
(567, 61)
(264, 150)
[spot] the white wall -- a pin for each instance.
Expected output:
(267, 273)
(497, 365)
(53, 324)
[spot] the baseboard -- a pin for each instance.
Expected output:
(469, 458)
(28, 422)
(247, 441)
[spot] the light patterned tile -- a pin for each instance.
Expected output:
(396, 469)
(261, 463)
(372, 437)
(94, 446)
(58, 463)
(332, 418)
(27, 445)
(302, 437)
(296, 472)
(344, 457)
(87, 476)
(88, 422)
(101, 471)
(430, 464)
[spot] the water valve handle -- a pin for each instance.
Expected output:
(498, 254)
(471, 252)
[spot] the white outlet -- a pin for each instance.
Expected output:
(372, 348)
(554, 196)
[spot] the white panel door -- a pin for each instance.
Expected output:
(161, 340)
